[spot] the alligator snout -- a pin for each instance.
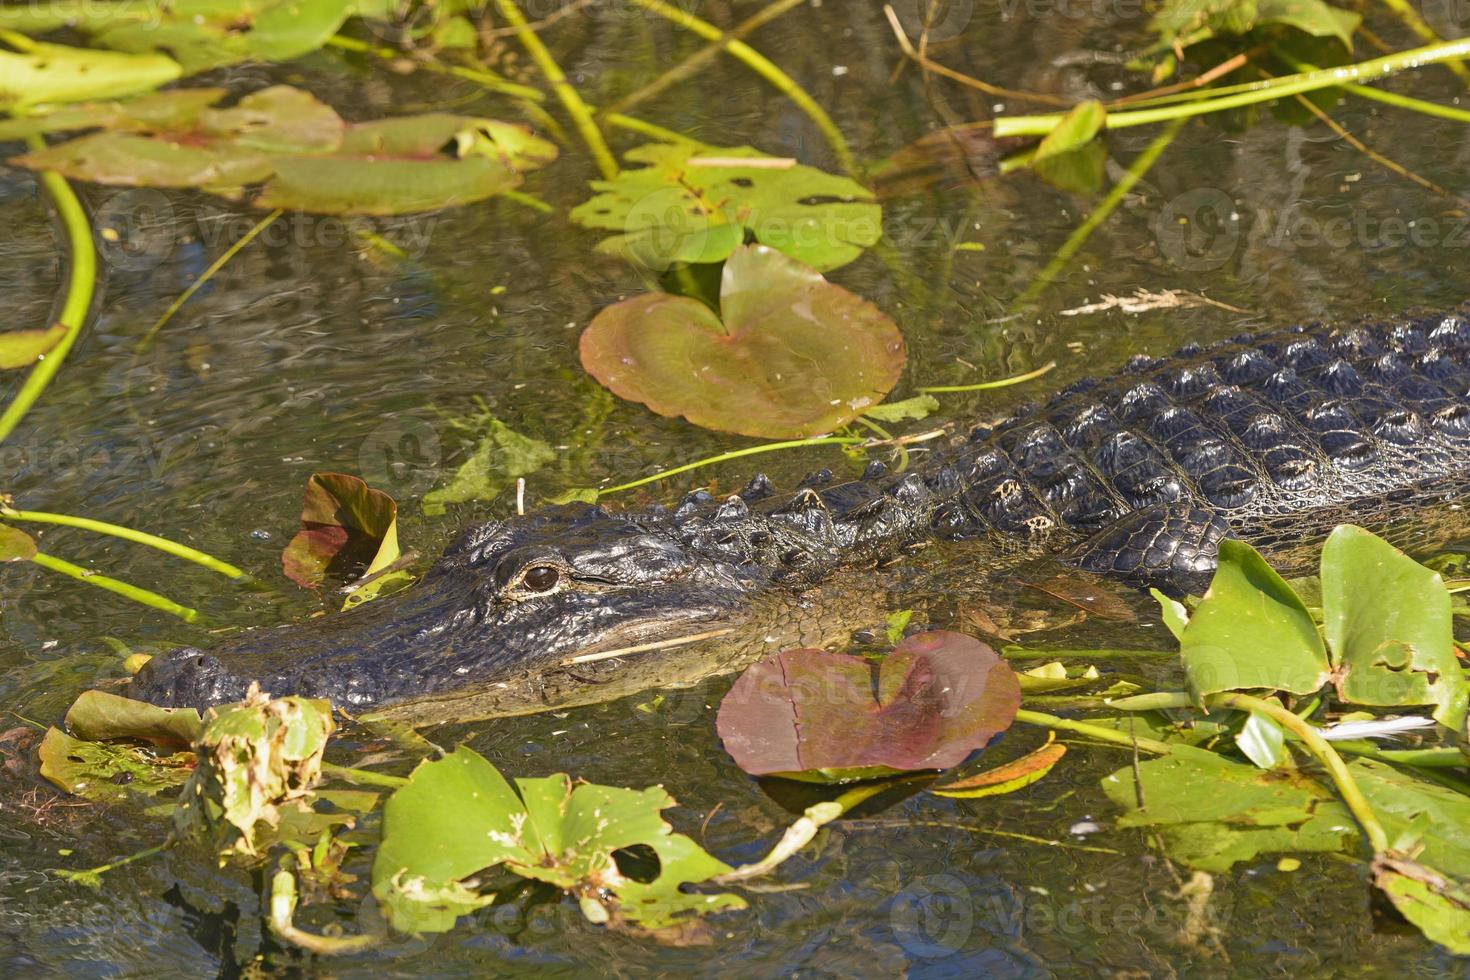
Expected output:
(187, 677)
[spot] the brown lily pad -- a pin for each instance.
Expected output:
(790, 355)
(347, 529)
(829, 717)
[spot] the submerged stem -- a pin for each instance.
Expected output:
(579, 111)
(1092, 731)
(150, 599)
(127, 534)
(766, 69)
(80, 284)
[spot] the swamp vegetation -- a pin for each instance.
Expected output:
(439, 262)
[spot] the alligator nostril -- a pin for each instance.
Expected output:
(200, 662)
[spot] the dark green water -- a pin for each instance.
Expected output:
(308, 354)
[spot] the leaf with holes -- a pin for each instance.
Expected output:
(790, 354)
(1388, 624)
(106, 772)
(696, 203)
(459, 817)
(347, 530)
(42, 73)
(830, 717)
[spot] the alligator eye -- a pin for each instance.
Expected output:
(540, 578)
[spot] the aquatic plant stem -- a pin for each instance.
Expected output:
(1347, 787)
(1253, 93)
(204, 277)
(579, 111)
(1141, 165)
(1014, 379)
(283, 909)
(692, 64)
(150, 599)
(365, 777)
(766, 69)
(482, 77)
(769, 447)
(1111, 735)
(127, 534)
(1414, 22)
(80, 284)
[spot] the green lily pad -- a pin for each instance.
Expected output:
(1251, 631)
(1388, 624)
(459, 817)
(1437, 905)
(696, 203)
(176, 109)
(1213, 812)
(1071, 157)
(348, 530)
(98, 716)
(110, 773)
(200, 34)
(43, 73)
(829, 717)
(503, 456)
(791, 354)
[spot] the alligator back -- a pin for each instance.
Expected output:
(1251, 430)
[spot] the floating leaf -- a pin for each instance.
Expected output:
(1262, 741)
(99, 716)
(256, 759)
(830, 717)
(1180, 23)
(110, 773)
(1437, 905)
(22, 348)
(458, 817)
(918, 407)
(793, 356)
(695, 203)
(1213, 813)
(15, 544)
(1014, 775)
(1388, 624)
(201, 34)
(57, 73)
(347, 529)
(1251, 631)
(502, 457)
(175, 109)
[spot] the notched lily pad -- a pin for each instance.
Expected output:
(790, 354)
(458, 817)
(1388, 624)
(696, 203)
(830, 717)
(106, 772)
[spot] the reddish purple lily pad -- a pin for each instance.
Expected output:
(830, 717)
(347, 529)
(790, 355)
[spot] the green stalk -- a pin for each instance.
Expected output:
(127, 534)
(636, 125)
(482, 77)
(1406, 13)
(990, 385)
(1421, 106)
(570, 100)
(365, 777)
(150, 599)
(81, 281)
(1347, 787)
(768, 447)
(766, 69)
(1140, 166)
(203, 278)
(1257, 92)
(1092, 731)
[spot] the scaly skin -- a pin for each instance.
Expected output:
(1272, 438)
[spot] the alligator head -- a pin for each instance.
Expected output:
(508, 598)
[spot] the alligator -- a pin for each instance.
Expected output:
(1272, 438)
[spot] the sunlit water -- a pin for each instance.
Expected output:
(308, 354)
